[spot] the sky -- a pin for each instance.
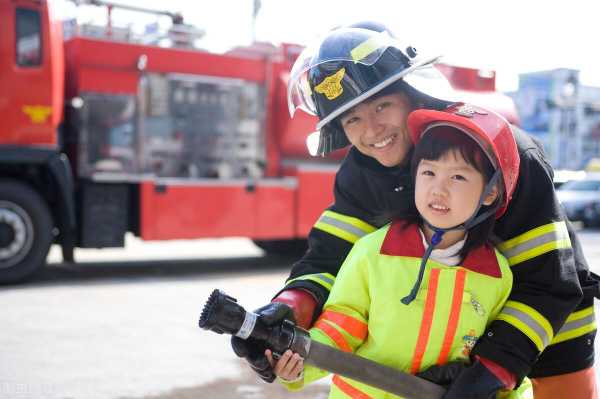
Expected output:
(510, 36)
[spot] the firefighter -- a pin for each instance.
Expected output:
(547, 328)
(465, 169)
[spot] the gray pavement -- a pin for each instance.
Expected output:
(128, 328)
(123, 323)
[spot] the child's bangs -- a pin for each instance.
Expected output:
(442, 140)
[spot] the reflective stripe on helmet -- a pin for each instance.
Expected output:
(367, 47)
(529, 321)
(578, 323)
(536, 242)
(345, 227)
(323, 279)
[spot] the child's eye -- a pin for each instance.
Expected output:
(459, 177)
(427, 173)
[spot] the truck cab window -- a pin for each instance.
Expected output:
(28, 38)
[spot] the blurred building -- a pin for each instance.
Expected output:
(563, 114)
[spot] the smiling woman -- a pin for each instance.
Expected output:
(377, 128)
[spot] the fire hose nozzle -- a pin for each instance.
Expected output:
(221, 314)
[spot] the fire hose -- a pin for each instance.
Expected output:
(222, 314)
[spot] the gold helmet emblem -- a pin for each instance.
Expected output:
(331, 86)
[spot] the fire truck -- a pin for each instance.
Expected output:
(102, 136)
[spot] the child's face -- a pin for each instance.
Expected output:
(447, 190)
(378, 129)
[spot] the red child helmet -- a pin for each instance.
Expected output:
(491, 131)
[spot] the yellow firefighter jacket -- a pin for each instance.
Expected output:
(364, 314)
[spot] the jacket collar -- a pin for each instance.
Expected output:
(401, 240)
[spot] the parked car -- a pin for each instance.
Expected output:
(581, 199)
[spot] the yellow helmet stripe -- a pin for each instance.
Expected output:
(369, 46)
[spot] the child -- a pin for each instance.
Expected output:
(419, 292)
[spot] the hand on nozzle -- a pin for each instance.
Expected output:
(253, 350)
(254, 353)
(289, 367)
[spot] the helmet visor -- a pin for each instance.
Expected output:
(428, 80)
(360, 46)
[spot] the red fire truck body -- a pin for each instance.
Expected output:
(259, 201)
(102, 137)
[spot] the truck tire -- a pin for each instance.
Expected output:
(294, 247)
(25, 231)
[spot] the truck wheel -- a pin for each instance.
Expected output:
(25, 231)
(295, 247)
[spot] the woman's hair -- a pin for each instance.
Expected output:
(440, 141)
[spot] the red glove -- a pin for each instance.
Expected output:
(302, 303)
(477, 381)
(508, 379)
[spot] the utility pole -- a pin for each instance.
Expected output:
(255, 10)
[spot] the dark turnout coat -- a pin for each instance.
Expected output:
(552, 297)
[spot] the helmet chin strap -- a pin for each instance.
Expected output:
(435, 240)
(439, 232)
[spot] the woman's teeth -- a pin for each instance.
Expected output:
(384, 142)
